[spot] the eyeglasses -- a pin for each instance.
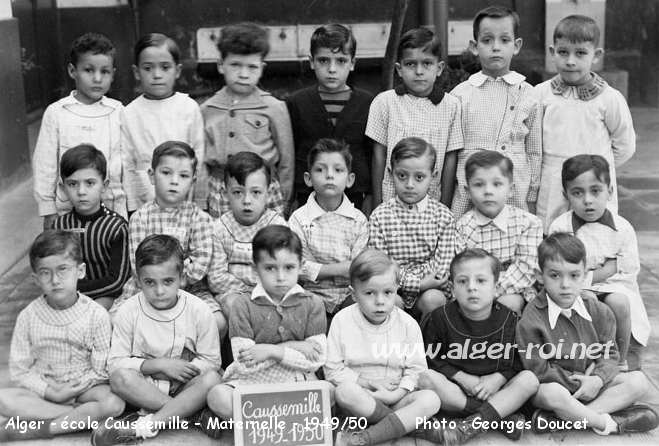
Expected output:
(62, 271)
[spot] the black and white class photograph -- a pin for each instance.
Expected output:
(329, 222)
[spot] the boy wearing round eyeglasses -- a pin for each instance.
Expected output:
(59, 350)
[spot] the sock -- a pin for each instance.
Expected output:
(472, 406)
(610, 428)
(389, 428)
(144, 427)
(488, 412)
(381, 411)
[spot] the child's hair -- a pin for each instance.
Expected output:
(421, 38)
(577, 29)
(243, 39)
(575, 166)
(369, 263)
(335, 37)
(177, 149)
(475, 253)
(495, 12)
(157, 40)
(413, 147)
(156, 249)
(54, 242)
(273, 238)
(561, 245)
(329, 145)
(243, 164)
(83, 156)
(488, 158)
(91, 43)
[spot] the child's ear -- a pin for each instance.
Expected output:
(307, 179)
(473, 47)
(538, 276)
(311, 61)
(610, 188)
(136, 73)
(152, 176)
(552, 50)
(564, 193)
(440, 65)
(354, 63)
(599, 52)
(82, 270)
(434, 173)
(518, 46)
(220, 68)
(71, 69)
(179, 67)
(398, 69)
(106, 183)
(466, 187)
(351, 180)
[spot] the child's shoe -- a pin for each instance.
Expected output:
(516, 420)
(207, 422)
(122, 431)
(636, 418)
(545, 422)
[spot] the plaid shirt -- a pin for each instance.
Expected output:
(60, 346)
(505, 115)
(328, 237)
(513, 237)
(218, 204)
(232, 268)
(421, 240)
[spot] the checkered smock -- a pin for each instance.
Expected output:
(505, 115)
(421, 242)
(60, 346)
(191, 227)
(513, 237)
(395, 116)
(328, 237)
(232, 268)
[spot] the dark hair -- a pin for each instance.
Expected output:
(91, 43)
(475, 253)
(488, 158)
(243, 39)
(157, 40)
(577, 165)
(329, 145)
(369, 263)
(273, 238)
(576, 29)
(243, 164)
(177, 149)
(83, 156)
(53, 242)
(156, 249)
(495, 12)
(561, 246)
(335, 37)
(413, 147)
(421, 38)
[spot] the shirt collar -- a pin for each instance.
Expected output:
(500, 221)
(586, 92)
(71, 100)
(511, 78)
(421, 206)
(435, 96)
(554, 311)
(259, 291)
(346, 208)
(606, 219)
(92, 217)
(223, 99)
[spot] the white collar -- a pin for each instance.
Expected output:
(105, 101)
(421, 206)
(500, 221)
(259, 291)
(554, 311)
(511, 78)
(313, 209)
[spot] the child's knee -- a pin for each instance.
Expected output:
(219, 400)
(348, 394)
(619, 303)
(431, 379)
(431, 299)
(112, 405)
(527, 382)
(209, 380)
(123, 379)
(552, 396)
(637, 382)
(429, 402)
(513, 301)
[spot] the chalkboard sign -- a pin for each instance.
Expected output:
(291, 414)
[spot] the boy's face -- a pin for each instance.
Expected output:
(489, 189)
(376, 297)
(172, 179)
(588, 196)
(574, 61)
(329, 175)
(93, 76)
(84, 188)
(278, 274)
(412, 177)
(562, 281)
(419, 70)
(156, 72)
(58, 275)
(332, 69)
(160, 284)
(496, 45)
(248, 201)
(474, 287)
(241, 72)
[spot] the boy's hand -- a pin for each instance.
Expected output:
(260, 352)
(386, 383)
(310, 350)
(59, 393)
(590, 386)
(49, 221)
(432, 281)
(385, 395)
(489, 385)
(467, 382)
(178, 369)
